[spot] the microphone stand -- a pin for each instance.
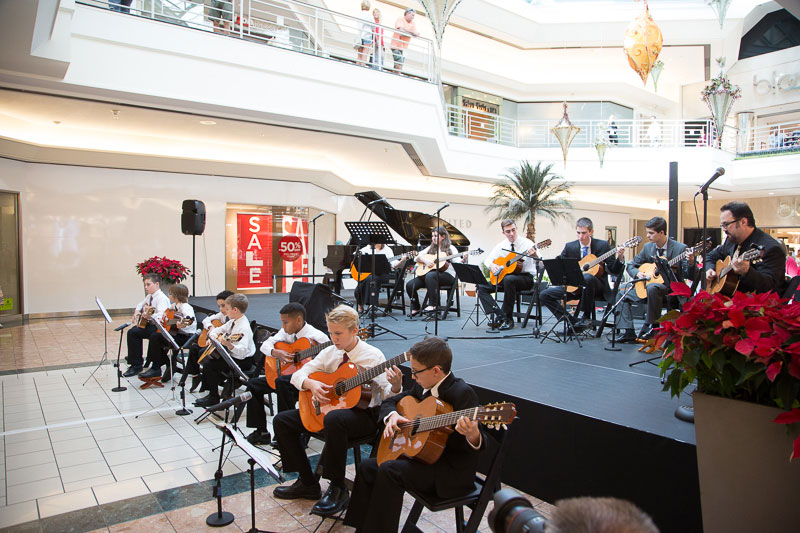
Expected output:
(438, 269)
(706, 251)
(220, 518)
(183, 411)
(119, 387)
(314, 247)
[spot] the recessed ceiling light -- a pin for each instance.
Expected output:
(772, 193)
(115, 114)
(56, 122)
(207, 122)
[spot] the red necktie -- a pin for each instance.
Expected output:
(345, 358)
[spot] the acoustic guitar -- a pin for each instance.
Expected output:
(512, 263)
(594, 265)
(361, 276)
(173, 321)
(650, 272)
(350, 388)
(302, 352)
(202, 340)
(422, 268)
(144, 317)
(431, 423)
(211, 349)
(727, 280)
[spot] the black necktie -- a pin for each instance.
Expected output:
(512, 246)
(661, 252)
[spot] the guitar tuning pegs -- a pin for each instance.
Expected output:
(505, 426)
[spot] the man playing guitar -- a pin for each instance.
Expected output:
(512, 283)
(294, 326)
(578, 249)
(378, 492)
(242, 350)
(658, 245)
(159, 302)
(739, 225)
(340, 425)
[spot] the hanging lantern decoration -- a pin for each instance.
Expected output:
(720, 7)
(658, 66)
(642, 43)
(565, 131)
(719, 96)
(439, 13)
(601, 145)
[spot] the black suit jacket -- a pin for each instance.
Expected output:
(597, 247)
(673, 249)
(764, 276)
(454, 472)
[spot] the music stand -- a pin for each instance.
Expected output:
(372, 233)
(473, 274)
(106, 322)
(157, 381)
(564, 271)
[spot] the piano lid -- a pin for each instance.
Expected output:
(410, 225)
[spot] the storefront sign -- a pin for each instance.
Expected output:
(297, 228)
(779, 82)
(254, 251)
(290, 248)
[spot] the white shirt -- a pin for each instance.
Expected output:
(362, 355)
(521, 244)
(216, 316)
(159, 300)
(243, 348)
(308, 331)
(185, 310)
(432, 251)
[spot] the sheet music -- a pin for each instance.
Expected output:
(261, 458)
(228, 359)
(102, 309)
(166, 335)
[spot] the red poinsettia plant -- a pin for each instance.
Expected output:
(746, 347)
(169, 269)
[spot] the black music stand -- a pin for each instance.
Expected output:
(372, 233)
(564, 271)
(473, 274)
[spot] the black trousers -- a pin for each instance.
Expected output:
(158, 346)
(341, 426)
(192, 366)
(362, 289)
(551, 297)
(213, 369)
(256, 410)
(135, 338)
(377, 499)
(655, 303)
(431, 282)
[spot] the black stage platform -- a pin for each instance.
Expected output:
(588, 424)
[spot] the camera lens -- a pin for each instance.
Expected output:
(514, 514)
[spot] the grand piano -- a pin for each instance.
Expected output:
(412, 226)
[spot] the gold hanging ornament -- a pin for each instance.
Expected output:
(642, 43)
(565, 131)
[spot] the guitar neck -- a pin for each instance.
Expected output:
(371, 373)
(311, 352)
(446, 419)
(603, 257)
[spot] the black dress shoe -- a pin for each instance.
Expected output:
(196, 380)
(296, 491)
(153, 372)
(167, 376)
(628, 336)
(582, 324)
(334, 500)
(207, 401)
(132, 371)
(648, 334)
(506, 325)
(260, 438)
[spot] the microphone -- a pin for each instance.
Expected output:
(446, 205)
(231, 402)
(720, 171)
(381, 199)
(636, 280)
(316, 217)
(123, 326)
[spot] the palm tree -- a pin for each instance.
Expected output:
(530, 191)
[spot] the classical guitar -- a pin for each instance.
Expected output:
(212, 351)
(431, 423)
(650, 272)
(727, 280)
(173, 321)
(202, 340)
(144, 317)
(350, 389)
(512, 263)
(302, 352)
(593, 265)
(423, 269)
(361, 276)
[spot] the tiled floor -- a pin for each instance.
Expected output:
(76, 455)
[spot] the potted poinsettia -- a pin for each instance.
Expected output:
(170, 270)
(744, 354)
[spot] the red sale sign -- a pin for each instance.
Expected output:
(297, 228)
(254, 251)
(290, 248)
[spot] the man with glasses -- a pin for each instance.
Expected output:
(377, 498)
(739, 226)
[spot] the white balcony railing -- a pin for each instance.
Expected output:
(287, 24)
(475, 124)
(784, 137)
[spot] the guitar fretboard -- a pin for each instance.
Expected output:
(311, 352)
(446, 419)
(371, 373)
(746, 256)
